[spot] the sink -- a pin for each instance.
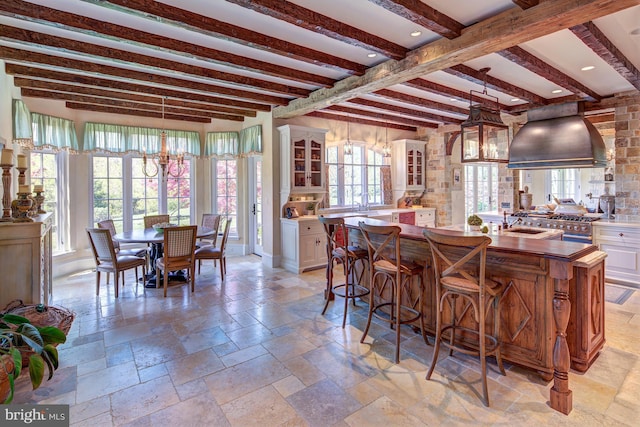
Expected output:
(524, 231)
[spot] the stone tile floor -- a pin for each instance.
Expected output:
(255, 350)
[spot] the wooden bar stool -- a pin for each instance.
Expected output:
(339, 250)
(396, 305)
(459, 263)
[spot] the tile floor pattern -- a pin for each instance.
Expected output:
(255, 351)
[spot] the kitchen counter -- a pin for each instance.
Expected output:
(518, 231)
(553, 315)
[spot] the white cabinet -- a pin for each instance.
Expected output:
(408, 165)
(304, 244)
(426, 217)
(302, 159)
(622, 244)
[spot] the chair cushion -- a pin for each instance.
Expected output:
(208, 252)
(133, 252)
(127, 261)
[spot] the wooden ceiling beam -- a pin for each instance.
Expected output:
(156, 11)
(404, 110)
(506, 29)
(360, 121)
(532, 63)
(422, 14)
(57, 88)
(382, 116)
(64, 45)
(117, 103)
(526, 4)
(475, 76)
(12, 54)
(96, 28)
(591, 35)
(28, 71)
(142, 113)
(322, 24)
(422, 102)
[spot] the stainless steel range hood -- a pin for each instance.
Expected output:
(557, 136)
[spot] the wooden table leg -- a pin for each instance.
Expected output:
(561, 396)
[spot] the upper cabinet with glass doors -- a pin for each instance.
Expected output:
(408, 165)
(302, 166)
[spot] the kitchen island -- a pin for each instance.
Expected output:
(552, 309)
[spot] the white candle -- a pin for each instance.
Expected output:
(38, 188)
(7, 157)
(24, 189)
(22, 161)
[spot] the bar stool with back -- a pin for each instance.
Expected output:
(459, 263)
(396, 305)
(339, 250)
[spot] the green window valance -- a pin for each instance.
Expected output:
(22, 131)
(54, 132)
(222, 144)
(251, 141)
(123, 139)
(247, 142)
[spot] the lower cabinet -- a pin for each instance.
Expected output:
(304, 245)
(622, 244)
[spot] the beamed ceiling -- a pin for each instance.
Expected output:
(350, 60)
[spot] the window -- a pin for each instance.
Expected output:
(226, 191)
(563, 183)
(354, 179)
(481, 188)
(46, 169)
(124, 194)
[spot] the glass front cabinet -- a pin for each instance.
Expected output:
(302, 151)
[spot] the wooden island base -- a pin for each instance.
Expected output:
(552, 309)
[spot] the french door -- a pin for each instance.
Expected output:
(255, 205)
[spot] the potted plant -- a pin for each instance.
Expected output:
(474, 221)
(20, 339)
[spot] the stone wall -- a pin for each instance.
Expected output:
(627, 154)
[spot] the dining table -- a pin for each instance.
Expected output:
(156, 238)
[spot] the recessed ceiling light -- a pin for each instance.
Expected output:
(556, 91)
(416, 33)
(635, 32)
(587, 68)
(453, 100)
(515, 99)
(372, 55)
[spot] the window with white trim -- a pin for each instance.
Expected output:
(123, 193)
(481, 187)
(354, 179)
(46, 169)
(225, 197)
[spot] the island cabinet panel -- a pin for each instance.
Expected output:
(529, 269)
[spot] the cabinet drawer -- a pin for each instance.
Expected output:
(617, 234)
(310, 227)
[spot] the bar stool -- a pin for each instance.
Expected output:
(459, 263)
(388, 270)
(339, 250)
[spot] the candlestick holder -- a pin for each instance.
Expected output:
(23, 205)
(39, 198)
(22, 178)
(6, 195)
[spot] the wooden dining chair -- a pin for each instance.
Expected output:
(108, 261)
(179, 249)
(139, 252)
(211, 221)
(151, 220)
(214, 253)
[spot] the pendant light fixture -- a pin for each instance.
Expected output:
(485, 138)
(348, 146)
(386, 151)
(164, 158)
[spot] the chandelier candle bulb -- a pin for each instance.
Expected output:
(7, 157)
(24, 189)
(38, 188)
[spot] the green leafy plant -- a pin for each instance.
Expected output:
(474, 220)
(18, 338)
